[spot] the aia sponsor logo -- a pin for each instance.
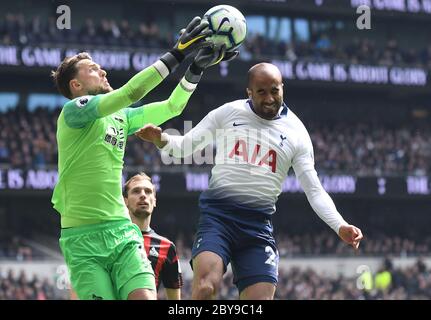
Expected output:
(240, 150)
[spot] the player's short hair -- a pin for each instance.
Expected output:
(66, 71)
(251, 73)
(260, 67)
(140, 176)
(249, 78)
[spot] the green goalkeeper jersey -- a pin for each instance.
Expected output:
(91, 136)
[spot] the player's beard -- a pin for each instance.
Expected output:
(141, 213)
(270, 112)
(100, 90)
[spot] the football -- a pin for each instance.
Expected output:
(228, 24)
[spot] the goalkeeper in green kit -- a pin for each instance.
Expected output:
(102, 248)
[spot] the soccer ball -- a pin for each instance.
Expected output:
(228, 24)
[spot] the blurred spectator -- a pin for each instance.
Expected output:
(383, 277)
(4, 152)
(14, 248)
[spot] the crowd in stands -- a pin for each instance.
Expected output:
(386, 283)
(21, 286)
(371, 149)
(16, 29)
(306, 244)
(357, 50)
(327, 244)
(27, 139)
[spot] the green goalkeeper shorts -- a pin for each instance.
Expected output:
(106, 260)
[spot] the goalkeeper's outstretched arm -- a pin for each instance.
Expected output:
(191, 39)
(159, 112)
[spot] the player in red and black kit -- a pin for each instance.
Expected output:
(140, 197)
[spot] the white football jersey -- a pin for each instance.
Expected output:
(253, 155)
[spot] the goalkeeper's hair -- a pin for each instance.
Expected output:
(140, 176)
(66, 71)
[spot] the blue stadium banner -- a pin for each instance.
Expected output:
(43, 59)
(192, 183)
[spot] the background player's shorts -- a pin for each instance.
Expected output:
(106, 260)
(247, 242)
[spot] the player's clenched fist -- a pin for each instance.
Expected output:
(351, 235)
(151, 133)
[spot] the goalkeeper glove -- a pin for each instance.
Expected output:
(228, 56)
(191, 39)
(205, 58)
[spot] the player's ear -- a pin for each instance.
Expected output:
(126, 201)
(248, 92)
(75, 84)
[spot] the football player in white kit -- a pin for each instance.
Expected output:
(257, 140)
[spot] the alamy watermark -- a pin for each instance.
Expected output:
(365, 279)
(62, 278)
(364, 20)
(64, 21)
